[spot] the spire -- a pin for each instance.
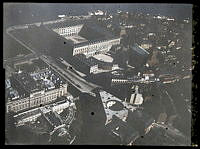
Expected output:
(19, 71)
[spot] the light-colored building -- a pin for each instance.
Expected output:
(146, 46)
(98, 47)
(77, 32)
(33, 94)
(33, 114)
(36, 99)
(69, 30)
(136, 98)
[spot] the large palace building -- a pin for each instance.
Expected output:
(85, 36)
(27, 90)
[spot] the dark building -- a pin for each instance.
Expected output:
(103, 79)
(93, 119)
(92, 109)
(83, 64)
(137, 56)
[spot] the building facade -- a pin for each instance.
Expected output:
(35, 99)
(33, 114)
(94, 48)
(34, 89)
(69, 30)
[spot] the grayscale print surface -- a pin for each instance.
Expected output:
(113, 74)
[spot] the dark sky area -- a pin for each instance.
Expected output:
(21, 13)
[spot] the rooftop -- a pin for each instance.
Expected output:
(90, 32)
(76, 39)
(27, 82)
(53, 119)
(66, 23)
(104, 58)
(23, 83)
(87, 61)
(139, 49)
(12, 94)
(48, 79)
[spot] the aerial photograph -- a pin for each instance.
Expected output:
(98, 74)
